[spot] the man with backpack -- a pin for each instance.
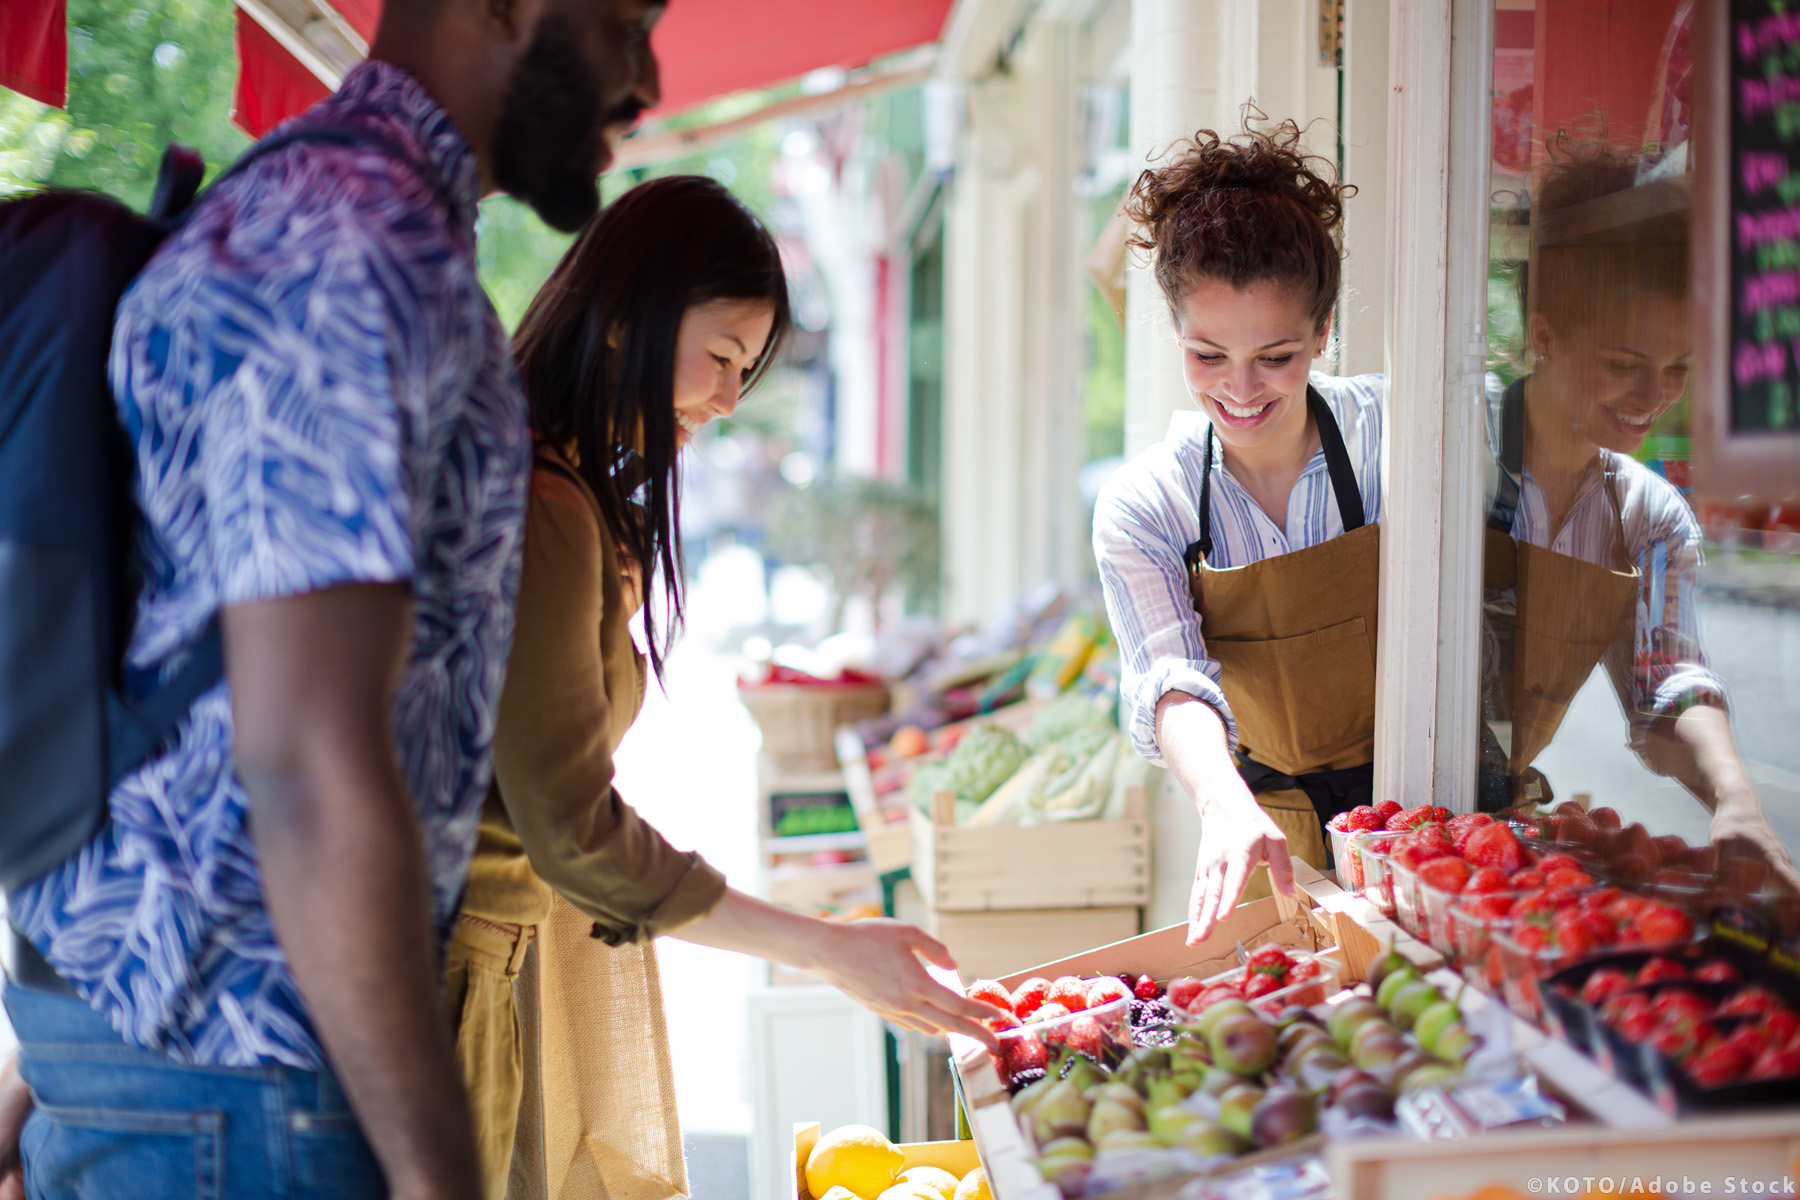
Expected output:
(231, 989)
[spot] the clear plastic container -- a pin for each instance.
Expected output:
(1471, 934)
(1368, 854)
(1306, 992)
(1111, 1032)
(1522, 971)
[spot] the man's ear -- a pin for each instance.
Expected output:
(516, 20)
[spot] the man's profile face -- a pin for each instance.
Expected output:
(581, 83)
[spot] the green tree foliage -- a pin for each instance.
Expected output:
(142, 73)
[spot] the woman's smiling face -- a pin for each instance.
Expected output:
(719, 343)
(1245, 355)
(1620, 369)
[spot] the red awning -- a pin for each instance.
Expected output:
(706, 47)
(34, 49)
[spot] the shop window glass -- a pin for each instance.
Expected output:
(1641, 650)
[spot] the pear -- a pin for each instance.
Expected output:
(1190, 1050)
(1315, 1073)
(1030, 1095)
(1219, 1012)
(1296, 1037)
(1066, 1162)
(1283, 1115)
(1110, 1115)
(1244, 1044)
(1126, 1139)
(1217, 1081)
(1168, 1124)
(1347, 1078)
(1161, 1091)
(1294, 1014)
(1385, 965)
(1412, 1000)
(1063, 1112)
(1236, 1106)
(1083, 1073)
(1207, 1140)
(1366, 1098)
(1432, 1022)
(1455, 1043)
(1395, 1073)
(1376, 1045)
(1124, 1093)
(1391, 985)
(1347, 1016)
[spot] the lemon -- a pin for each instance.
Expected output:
(911, 1191)
(936, 1179)
(974, 1186)
(855, 1157)
(837, 1193)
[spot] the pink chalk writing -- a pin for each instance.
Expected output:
(1763, 170)
(1772, 289)
(1781, 225)
(1771, 33)
(1766, 95)
(1750, 363)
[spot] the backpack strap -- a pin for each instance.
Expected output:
(137, 730)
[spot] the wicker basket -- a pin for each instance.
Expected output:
(800, 721)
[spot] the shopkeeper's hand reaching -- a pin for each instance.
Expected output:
(1236, 836)
(878, 963)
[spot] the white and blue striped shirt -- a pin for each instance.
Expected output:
(1149, 513)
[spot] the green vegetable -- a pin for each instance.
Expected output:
(982, 761)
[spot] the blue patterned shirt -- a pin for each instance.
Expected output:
(1149, 513)
(318, 393)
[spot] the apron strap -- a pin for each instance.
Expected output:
(1337, 465)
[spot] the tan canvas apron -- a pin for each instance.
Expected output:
(1564, 612)
(1294, 637)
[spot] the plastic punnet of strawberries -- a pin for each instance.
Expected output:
(1271, 978)
(1750, 1035)
(1364, 818)
(1096, 1017)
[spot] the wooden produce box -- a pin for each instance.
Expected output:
(988, 945)
(958, 1158)
(1057, 865)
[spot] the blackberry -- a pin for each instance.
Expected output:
(1069, 1064)
(1025, 1079)
(1158, 1035)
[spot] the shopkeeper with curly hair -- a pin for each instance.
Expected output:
(1239, 555)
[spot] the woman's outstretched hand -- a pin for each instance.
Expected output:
(877, 963)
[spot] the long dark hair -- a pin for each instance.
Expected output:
(653, 253)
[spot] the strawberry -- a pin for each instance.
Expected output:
(1679, 1007)
(1749, 1039)
(1214, 994)
(1616, 1008)
(1146, 988)
(1489, 907)
(1703, 860)
(1777, 1062)
(1566, 877)
(1495, 846)
(1572, 933)
(1527, 880)
(1659, 970)
(1574, 830)
(1440, 814)
(1752, 1001)
(1484, 880)
(1087, 1037)
(1602, 898)
(1071, 992)
(1409, 818)
(1446, 874)
(1002, 1022)
(1049, 1010)
(1637, 1025)
(1361, 817)
(1671, 850)
(1605, 818)
(1531, 937)
(1305, 969)
(1718, 1064)
(1662, 923)
(990, 991)
(1028, 995)
(1269, 958)
(1386, 809)
(1781, 1025)
(1338, 823)
(1556, 862)
(1183, 991)
(1261, 983)
(1022, 1054)
(1413, 853)
(1604, 984)
(1105, 990)
(1678, 1041)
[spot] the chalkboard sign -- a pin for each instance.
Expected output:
(1746, 197)
(1765, 215)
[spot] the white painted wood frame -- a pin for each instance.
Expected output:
(1439, 136)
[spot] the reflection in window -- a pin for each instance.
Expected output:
(1626, 636)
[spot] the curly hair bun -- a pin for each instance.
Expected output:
(1243, 210)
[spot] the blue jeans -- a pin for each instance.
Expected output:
(116, 1122)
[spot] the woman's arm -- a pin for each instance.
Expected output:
(874, 962)
(1697, 749)
(1235, 834)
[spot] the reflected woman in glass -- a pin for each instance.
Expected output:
(1593, 557)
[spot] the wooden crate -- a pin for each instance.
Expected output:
(988, 945)
(1065, 864)
(1709, 1151)
(958, 1158)
(890, 842)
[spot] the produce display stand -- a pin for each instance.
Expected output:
(958, 1158)
(788, 874)
(1614, 1130)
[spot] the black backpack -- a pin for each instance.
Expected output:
(68, 729)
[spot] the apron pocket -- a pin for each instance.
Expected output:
(1302, 703)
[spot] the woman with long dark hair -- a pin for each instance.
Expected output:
(664, 312)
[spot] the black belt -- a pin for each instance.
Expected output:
(1331, 792)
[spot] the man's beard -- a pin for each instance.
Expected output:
(547, 142)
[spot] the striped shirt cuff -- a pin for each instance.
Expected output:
(1173, 675)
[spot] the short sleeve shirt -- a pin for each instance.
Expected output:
(318, 393)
